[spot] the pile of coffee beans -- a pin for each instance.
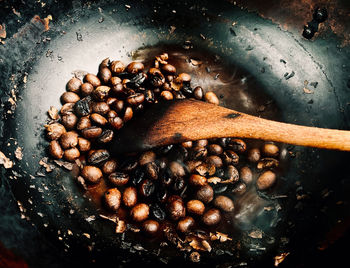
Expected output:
(189, 185)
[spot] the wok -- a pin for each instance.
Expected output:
(266, 68)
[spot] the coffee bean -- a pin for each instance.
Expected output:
(149, 96)
(199, 152)
(118, 178)
(69, 121)
(69, 139)
(205, 194)
(201, 143)
(146, 188)
(129, 164)
(147, 157)
(205, 169)
(135, 99)
(86, 89)
(166, 177)
(266, 180)
(224, 203)
(195, 207)
(198, 93)
(253, 155)
(240, 188)
(150, 227)
(55, 131)
(67, 108)
(169, 69)
(128, 114)
(179, 184)
(104, 64)
(111, 114)
(197, 180)
(116, 122)
(270, 150)
(100, 107)
(184, 77)
(231, 174)
(166, 95)
(93, 80)
(105, 74)
(106, 136)
(139, 212)
(224, 141)
(187, 144)
(71, 154)
(211, 217)
(130, 196)
(230, 157)
(117, 67)
(83, 107)
(74, 84)
(237, 145)
(101, 93)
(192, 164)
(176, 209)
(91, 132)
(220, 188)
(69, 97)
(215, 149)
(135, 67)
(177, 170)
(55, 149)
(211, 98)
(185, 225)
(152, 170)
(118, 89)
(84, 122)
(112, 199)
(98, 156)
(156, 78)
(246, 175)
(214, 160)
(84, 144)
(98, 119)
(109, 166)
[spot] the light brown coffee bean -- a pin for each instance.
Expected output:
(266, 180)
(130, 196)
(185, 225)
(74, 84)
(211, 217)
(69, 139)
(55, 149)
(69, 97)
(91, 174)
(71, 154)
(139, 212)
(92, 79)
(224, 203)
(211, 98)
(246, 175)
(270, 150)
(84, 144)
(112, 199)
(195, 207)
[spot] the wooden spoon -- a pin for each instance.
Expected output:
(183, 120)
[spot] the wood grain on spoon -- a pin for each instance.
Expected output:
(182, 120)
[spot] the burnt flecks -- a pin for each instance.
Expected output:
(320, 15)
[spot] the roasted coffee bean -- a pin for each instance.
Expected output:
(246, 175)
(137, 81)
(211, 217)
(205, 194)
(55, 149)
(116, 122)
(118, 178)
(266, 180)
(91, 174)
(195, 207)
(198, 93)
(84, 144)
(267, 162)
(105, 74)
(149, 96)
(135, 67)
(55, 131)
(98, 119)
(211, 98)
(104, 64)
(214, 160)
(230, 157)
(86, 89)
(101, 93)
(219, 172)
(215, 149)
(69, 139)
(179, 184)
(201, 143)
(69, 97)
(139, 212)
(237, 145)
(156, 78)
(176, 209)
(166, 177)
(119, 106)
(224, 141)
(320, 14)
(199, 152)
(91, 132)
(109, 166)
(220, 188)
(150, 227)
(178, 153)
(224, 203)
(130, 196)
(169, 69)
(100, 107)
(69, 121)
(157, 212)
(184, 77)
(74, 84)
(186, 89)
(111, 100)
(117, 67)
(113, 199)
(137, 176)
(231, 174)
(192, 164)
(71, 154)
(152, 170)
(92, 79)
(83, 107)
(135, 99)
(98, 156)
(128, 114)
(270, 150)
(115, 80)
(197, 180)
(253, 155)
(147, 157)
(129, 164)
(177, 169)
(106, 136)
(187, 144)
(167, 86)
(185, 225)
(118, 89)
(240, 188)
(165, 149)
(205, 169)
(166, 95)
(146, 188)
(162, 194)
(67, 108)
(111, 114)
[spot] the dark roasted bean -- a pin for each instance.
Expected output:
(187, 90)
(118, 178)
(219, 172)
(139, 212)
(237, 145)
(91, 132)
(129, 164)
(166, 177)
(246, 175)
(101, 93)
(136, 81)
(185, 225)
(84, 122)
(84, 144)
(165, 149)
(92, 79)
(117, 67)
(224, 203)
(112, 199)
(211, 217)
(137, 176)
(176, 209)
(162, 194)
(55, 149)
(267, 163)
(100, 107)
(197, 180)
(266, 180)
(177, 169)
(83, 107)
(152, 170)
(178, 153)
(230, 157)
(156, 78)
(270, 150)
(147, 157)
(86, 89)
(192, 164)
(231, 174)
(109, 166)
(69, 97)
(55, 131)
(91, 174)
(106, 136)
(157, 212)
(220, 188)
(166, 86)
(69, 140)
(74, 84)
(205, 169)
(198, 93)
(199, 152)
(130, 196)
(136, 99)
(146, 188)
(214, 160)
(118, 89)
(215, 149)
(224, 141)
(135, 67)
(179, 184)
(116, 122)
(67, 108)
(150, 227)
(105, 74)
(195, 207)
(98, 157)
(98, 119)
(240, 188)
(205, 193)
(253, 155)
